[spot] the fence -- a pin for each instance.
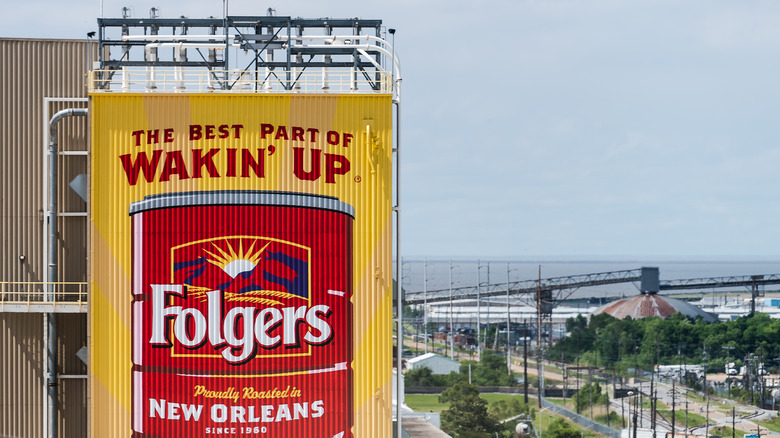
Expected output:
(583, 421)
(169, 80)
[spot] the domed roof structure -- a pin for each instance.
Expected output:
(650, 304)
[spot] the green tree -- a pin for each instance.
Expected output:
(675, 340)
(423, 376)
(579, 322)
(559, 428)
(489, 336)
(583, 397)
(467, 415)
(502, 409)
(579, 340)
(490, 371)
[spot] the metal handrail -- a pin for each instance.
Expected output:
(36, 292)
(168, 80)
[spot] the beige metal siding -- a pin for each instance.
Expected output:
(72, 394)
(31, 70)
(22, 385)
(22, 381)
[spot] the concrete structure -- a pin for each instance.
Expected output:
(437, 364)
(419, 427)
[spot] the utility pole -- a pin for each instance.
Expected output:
(590, 378)
(425, 302)
(613, 389)
(635, 410)
(479, 312)
(652, 402)
(760, 376)
(636, 367)
(623, 411)
(452, 324)
(495, 341)
(606, 402)
(749, 376)
(508, 333)
(577, 376)
(487, 324)
(706, 363)
(565, 378)
(525, 360)
(673, 407)
(539, 364)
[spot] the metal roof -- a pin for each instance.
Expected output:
(648, 305)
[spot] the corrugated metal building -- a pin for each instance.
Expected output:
(437, 364)
(37, 79)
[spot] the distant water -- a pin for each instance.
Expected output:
(465, 272)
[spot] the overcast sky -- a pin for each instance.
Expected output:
(560, 128)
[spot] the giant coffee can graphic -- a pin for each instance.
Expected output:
(242, 315)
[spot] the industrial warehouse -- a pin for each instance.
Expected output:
(265, 137)
(201, 231)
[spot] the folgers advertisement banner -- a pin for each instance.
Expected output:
(241, 265)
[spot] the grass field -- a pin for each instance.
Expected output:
(725, 432)
(492, 398)
(425, 402)
(430, 402)
(694, 420)
(773, 424)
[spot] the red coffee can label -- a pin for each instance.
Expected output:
(242, 315)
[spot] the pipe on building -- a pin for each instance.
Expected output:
(372, 60)
(52, 274)
(191, 45)
(341, 40)
(185, 37)
(398, 261)
(366, 47)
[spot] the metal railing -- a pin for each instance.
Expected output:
(168, 80)
(38, 292)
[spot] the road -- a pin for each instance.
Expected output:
(719, 411)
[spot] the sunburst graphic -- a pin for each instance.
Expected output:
(235, 263)
(255, 297)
